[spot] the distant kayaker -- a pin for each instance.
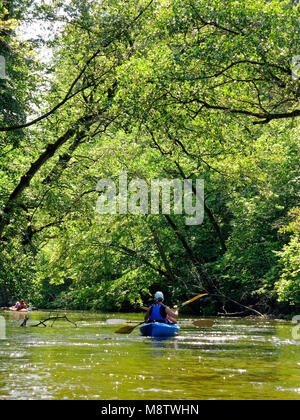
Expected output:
(158, 312)
(21, 305)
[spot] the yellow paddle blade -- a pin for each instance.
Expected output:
(127, 329)
(194, 298)
(204, 323)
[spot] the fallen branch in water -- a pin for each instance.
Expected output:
(233, 313)
(24, 321)
(247, 308)
(51, 318)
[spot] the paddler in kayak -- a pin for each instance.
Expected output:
(20, 305)
(158, 312)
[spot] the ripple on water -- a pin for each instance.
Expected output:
(235, 359)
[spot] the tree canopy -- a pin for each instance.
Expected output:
(189, 89)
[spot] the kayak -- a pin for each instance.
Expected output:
(14, 309)
(159, 329)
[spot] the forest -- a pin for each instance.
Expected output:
(157, 89)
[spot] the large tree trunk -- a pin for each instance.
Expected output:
(210, 215)
(36, 166)
(162, 254)
(190, 253)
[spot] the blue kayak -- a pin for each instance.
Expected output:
(159, 329)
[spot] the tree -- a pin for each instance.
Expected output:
(172, 89)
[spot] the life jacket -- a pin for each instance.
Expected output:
(21, 306)
(158, 313)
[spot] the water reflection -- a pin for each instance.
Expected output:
(18, 316)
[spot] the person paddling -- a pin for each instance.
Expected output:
(21, 305)
(158, 312)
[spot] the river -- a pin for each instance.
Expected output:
(234, 359)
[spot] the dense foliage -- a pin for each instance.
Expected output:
(161, 89)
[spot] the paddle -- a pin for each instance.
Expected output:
(204, 323)
(201, 323)
(194, 298)
(127, 329)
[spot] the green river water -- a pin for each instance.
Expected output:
(234, 359)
